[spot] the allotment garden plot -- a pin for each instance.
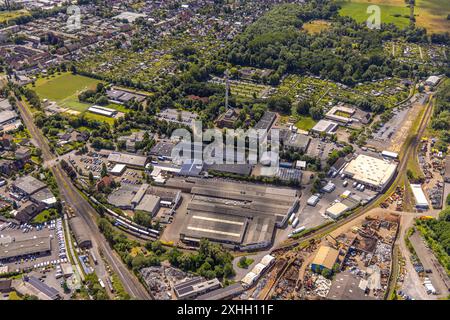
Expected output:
(325, 93)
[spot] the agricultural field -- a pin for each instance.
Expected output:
(398, 15)
(5, 16)
(64, 90)
(316, 26)
(430, 14)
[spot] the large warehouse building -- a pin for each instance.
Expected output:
(243, 216)
(372, 172)
(80, 232)
(38, 246)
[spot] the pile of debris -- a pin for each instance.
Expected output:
(160, 280)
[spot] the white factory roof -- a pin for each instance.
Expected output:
(325, 126)
(419, 196)
(249, 279)
(102, 111)
(267, 259)
(336, 210)
(118, 168)
(127, 159)
(433, 80)
(258, 269)
(7, 115)
(369, 170)
(389, 154)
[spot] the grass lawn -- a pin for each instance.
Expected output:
(305, 123)
(64, 90)
(430, 14)
(98, 117)
(5, 16)
(316, 26)
(62, 87)
(246, 264)
(14, 296)
(45, 216)
(358, 11)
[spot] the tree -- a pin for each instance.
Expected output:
(91, 178)
(104, 172)
(316, 112)
(303, 107)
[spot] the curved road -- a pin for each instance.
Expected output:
(83, 209)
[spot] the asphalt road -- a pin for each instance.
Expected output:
(401, 171)
(82, 208)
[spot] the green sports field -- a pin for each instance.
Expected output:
(397, 15)
(63, 87)
(64, 90)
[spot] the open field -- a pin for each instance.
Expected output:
(64, 90)
(316, 26)
(398, 15)
(61, 87)
(5, 16)
(430, 14)
(305, 123)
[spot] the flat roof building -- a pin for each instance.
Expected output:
(297, 141)
(242, 215)
(372, 172)
(336, 210)
(118, 169)
(107, 112)
(7, 116)
(266, 121)
(28, 185)
(80, 232)
(340, 114)
(419, 196)
(432, 81)
(325, 126)
(223, 293)
(130, 160)
(19, 248)
(192, 288)
(325, 258)
(149, 203)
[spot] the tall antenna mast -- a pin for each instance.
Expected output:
(227, 87)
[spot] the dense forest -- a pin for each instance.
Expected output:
(441, 115)
(348, 52)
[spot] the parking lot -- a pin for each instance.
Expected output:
(321, 149)
(94, 164)
(311, 216)
(52, 229)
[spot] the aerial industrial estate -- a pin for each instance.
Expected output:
(107, 194)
